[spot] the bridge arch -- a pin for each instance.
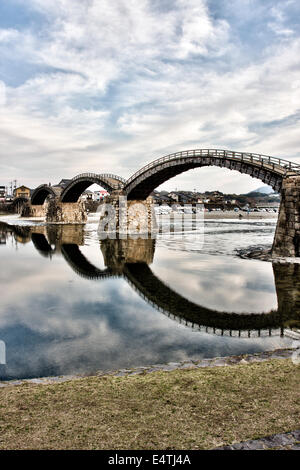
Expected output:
(162, 297)
(269, 170)
(19, 200)
(41, 193)
(42, 245)
(81, 265)
(18, 203)
(80, 183)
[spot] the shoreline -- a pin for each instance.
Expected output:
(219, 361)
(245, 215)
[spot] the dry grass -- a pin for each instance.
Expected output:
(184, 409)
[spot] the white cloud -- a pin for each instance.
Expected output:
(116, 84)
(2, 94)
(8, 35)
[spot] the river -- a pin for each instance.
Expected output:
(73, 304)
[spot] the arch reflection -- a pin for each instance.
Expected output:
(131, 260)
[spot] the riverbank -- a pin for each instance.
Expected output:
(243, 216)
(189, 408)
(240, 215)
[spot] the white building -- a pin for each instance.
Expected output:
(99, 195)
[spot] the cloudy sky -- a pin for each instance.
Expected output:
(107, 86)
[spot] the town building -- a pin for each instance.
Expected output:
(100, 195)
(64, 182)
(2, 191)
(22, 191)
(87, 195)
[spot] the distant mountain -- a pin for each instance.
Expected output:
(263, 190)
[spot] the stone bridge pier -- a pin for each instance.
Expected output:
(57, 212)
(287, 235)
(120, 217)
(117, 253)
(65, 212)
(287, 283)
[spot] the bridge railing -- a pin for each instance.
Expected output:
(238, 156)
(100, 176)
(50, 190)
(103, 176)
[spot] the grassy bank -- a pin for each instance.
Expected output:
(183, 409)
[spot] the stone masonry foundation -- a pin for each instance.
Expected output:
(122, 218)
(34, 211)
(56, 212)
(65, 212)
(287, 235)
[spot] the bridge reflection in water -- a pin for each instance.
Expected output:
(131, 260)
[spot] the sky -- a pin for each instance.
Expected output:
(101, 86)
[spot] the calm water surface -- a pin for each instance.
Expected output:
(72, 304)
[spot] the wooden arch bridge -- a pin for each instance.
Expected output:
(60, 203)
